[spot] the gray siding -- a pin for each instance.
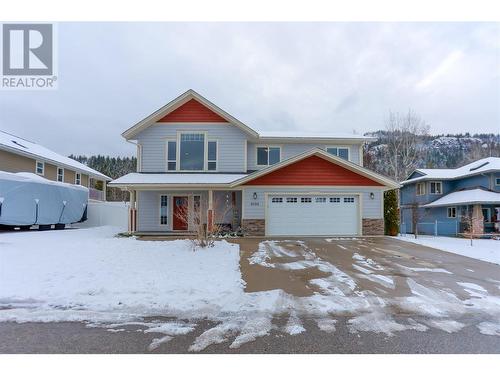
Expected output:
(289, 150)
(148, 208)
(231, 145)
(255, 208)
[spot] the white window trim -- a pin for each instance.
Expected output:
(43, 167)
(497, 181)
(421, 184)
(205, 152)
(166, 155)
(448, 212)
(216, 155)
(436, 182)
(266, 146)
(339, 147)
(78, 181)
(169, 204)
(57, 174)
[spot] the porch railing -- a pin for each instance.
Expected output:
(97, 195)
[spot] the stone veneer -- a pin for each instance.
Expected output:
(253, 227)
(373, 227)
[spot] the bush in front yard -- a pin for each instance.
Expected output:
(391, 212)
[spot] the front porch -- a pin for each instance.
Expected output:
(160, 213)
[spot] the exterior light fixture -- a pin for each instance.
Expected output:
(372, 196)
(254, 195)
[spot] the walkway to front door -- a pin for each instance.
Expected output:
(180, 221)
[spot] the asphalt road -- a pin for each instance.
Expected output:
(77, 338)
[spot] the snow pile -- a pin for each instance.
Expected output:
(482, 249)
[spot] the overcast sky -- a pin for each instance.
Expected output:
(337, 77)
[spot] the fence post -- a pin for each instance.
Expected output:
(456, 228)
(435, 228)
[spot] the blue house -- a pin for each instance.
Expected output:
(448, 202)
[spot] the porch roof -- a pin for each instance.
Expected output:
(471, 196)
(176, 179)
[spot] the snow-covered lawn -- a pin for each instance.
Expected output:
(482, 249)
(92, 276)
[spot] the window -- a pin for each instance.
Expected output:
(349, 200)
(335, 200)
(452, 212)
(497, 181)
(192, 152)
(78, 179)
(486, 215)
(436, 188)
(320, 199)
(40, 167)
(171, 155)
(291, 200)
(60, 174)
(421, 188)
(341, 152)
(163, 209)
(277, 200)
(268, 155)
(305, 200)
(212, 156)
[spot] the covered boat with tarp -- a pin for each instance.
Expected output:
(27, 199)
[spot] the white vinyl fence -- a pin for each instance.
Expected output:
(106, 213)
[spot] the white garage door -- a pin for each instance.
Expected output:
(315, 215)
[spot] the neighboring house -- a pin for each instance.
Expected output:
(448, 201)
(20, 155)
(195, 157)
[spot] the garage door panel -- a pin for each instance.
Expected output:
(337, 216)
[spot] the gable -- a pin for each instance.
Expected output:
(192, 111)
(316, 171)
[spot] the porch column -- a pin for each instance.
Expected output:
(104, 182)
(132, 213)
(210, 211)
(477, 220)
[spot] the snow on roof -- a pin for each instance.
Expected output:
(466, 197)
(32, 177)
(177, 178)
(479, 166)
(11, 143)
(316, 135)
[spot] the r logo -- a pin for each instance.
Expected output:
(27, 49)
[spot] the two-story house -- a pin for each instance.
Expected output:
(194, 157)
(21, 155)
(452, 201)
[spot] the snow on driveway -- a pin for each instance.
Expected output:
(482, 249)
(126, 284)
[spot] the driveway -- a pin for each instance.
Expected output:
(336, 295)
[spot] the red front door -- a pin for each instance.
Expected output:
(180, 221)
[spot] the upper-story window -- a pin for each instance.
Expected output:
(171, 155)
(268, 155)
(192, 152)
(212, 156)
(421, 188)
(60, 174)
(78, 179)
(40, 167)
(341, 152)
(436, 187)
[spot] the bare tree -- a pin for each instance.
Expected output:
(404, 134)
(416, 216)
